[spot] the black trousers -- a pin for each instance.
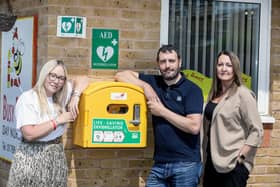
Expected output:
(236, 178)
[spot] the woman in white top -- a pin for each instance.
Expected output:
(41, 118)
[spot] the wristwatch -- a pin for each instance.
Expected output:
(242, 156)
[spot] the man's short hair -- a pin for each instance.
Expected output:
(167, 48)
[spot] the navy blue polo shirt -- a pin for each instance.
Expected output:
(184, 97)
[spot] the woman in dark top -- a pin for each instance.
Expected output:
(232, 129)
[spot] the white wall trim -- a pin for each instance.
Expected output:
(164, 22)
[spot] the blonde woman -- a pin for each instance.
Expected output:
(232, 129)
(41, 118)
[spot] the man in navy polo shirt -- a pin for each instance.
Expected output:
(176, 105)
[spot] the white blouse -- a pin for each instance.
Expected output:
(27, 112)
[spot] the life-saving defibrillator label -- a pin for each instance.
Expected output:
(113, 131)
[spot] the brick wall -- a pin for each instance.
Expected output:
(138, 23)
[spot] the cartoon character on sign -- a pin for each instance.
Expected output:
(15, 55)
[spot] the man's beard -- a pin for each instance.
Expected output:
(171, 77)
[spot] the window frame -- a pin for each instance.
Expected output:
(264, 54)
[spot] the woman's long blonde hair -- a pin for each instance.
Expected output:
(216, 88)
(59, 97)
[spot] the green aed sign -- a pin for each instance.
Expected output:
(113, 131)
(71, 26)
(105, 49)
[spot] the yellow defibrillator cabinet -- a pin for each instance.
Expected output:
(112, 115)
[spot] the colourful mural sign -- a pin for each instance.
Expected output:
(17, 75)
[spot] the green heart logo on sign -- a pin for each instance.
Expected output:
(66, 26)
(79, 26)
(105, 53)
